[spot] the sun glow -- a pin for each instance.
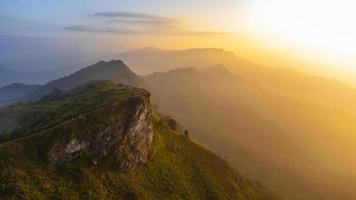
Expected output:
(318, 29)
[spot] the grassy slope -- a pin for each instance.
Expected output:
(177, 169)
(298, 148)
(23, 119)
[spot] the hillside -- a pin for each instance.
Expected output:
(103, 141)
(287, 81)
(291, 131)
(285, 140)
(114, 70)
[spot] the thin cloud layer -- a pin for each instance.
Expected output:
(131, 23)
(123, 31)
(95, 29)
(131, 15)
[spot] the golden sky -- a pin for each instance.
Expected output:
(313, 35)
(316, 35)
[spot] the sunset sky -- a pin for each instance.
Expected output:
(315, 35)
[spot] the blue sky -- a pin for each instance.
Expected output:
(45, 17)
(276, 32)
(41, 34)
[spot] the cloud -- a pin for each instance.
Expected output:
(127, 31)
(130, 23)
(143, 22)
(132, 15)
(136, 19)
(95, 29)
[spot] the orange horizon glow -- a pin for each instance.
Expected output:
(313, 36)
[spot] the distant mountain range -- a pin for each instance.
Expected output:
(285, 139)
(276, 125)
(8, 76)
(113, 70)
(148, 60)
(15, 91)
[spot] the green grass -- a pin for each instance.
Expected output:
(181, 169)
(177, 167)
(23, 119)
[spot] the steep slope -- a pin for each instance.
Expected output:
(114, 70)
(295, 146)
(287, 81)
(102, 141)
(293, 132)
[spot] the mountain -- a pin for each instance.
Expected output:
(114, 70)
(296, 143)
(148, 60)
(16, 90)
(8, 76)
(293, 132)
(283, 80)
(103, 141)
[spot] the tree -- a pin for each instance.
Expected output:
(186, 133)
(172, 124)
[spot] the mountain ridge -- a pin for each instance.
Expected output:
(267, 119)
(68, 154)
(262, 128)
(114, 70)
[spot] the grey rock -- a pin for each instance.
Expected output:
(125, 141)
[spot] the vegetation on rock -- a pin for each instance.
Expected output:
(175, 168)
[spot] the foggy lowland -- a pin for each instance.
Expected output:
(229, 99)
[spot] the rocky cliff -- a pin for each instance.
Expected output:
(102, 141)
(126, 138)
(119, 131)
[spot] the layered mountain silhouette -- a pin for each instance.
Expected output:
(269, 135)
(291, 131)
(148, 60)
(8, 76)
(114, 70)
(14, 91)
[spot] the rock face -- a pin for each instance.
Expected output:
(88, 140)
(122, 135)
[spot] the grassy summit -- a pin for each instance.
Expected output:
(176, 167)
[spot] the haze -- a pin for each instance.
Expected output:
(316, 36)
(269, 86)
